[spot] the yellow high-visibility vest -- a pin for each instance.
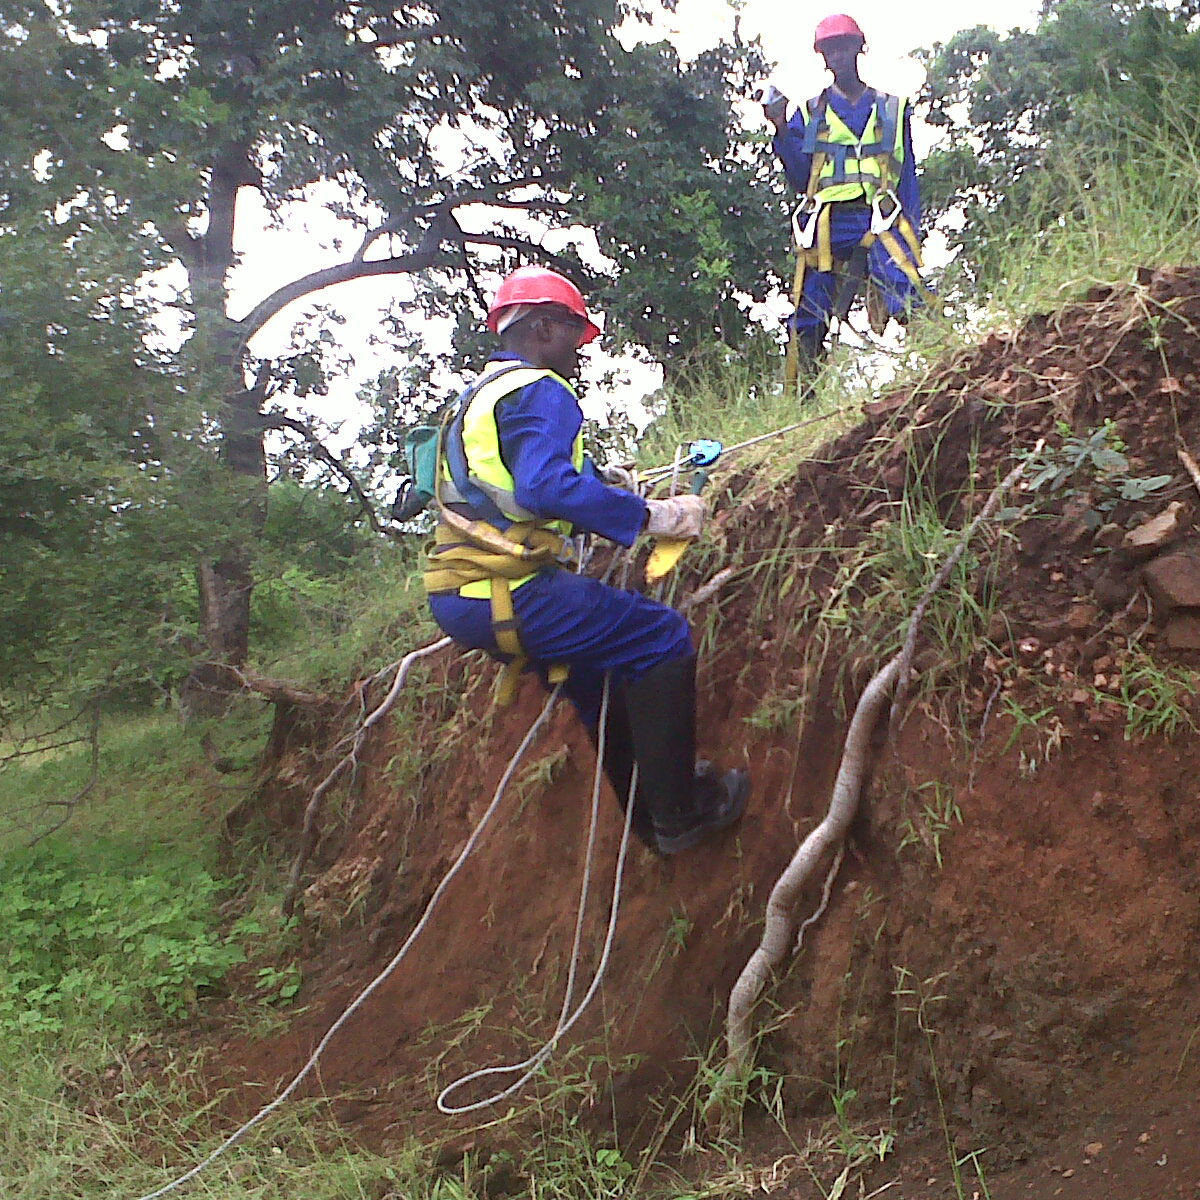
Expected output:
(476, 442)
(847, 167)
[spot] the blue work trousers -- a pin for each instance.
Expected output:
(848, 223)
(567, 618)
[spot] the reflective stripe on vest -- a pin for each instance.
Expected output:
(475, 479)
(853, 168)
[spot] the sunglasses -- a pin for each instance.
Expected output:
(570, 320)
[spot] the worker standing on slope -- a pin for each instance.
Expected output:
(513, 480)
(849, 151)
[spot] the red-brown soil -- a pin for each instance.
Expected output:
(1042, 980)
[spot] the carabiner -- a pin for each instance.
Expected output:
(804, 223)
(881, 222)
(705, 452)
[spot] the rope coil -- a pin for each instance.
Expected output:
(564, 1025)
(566, 1018)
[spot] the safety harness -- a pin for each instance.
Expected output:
(476, 541)
(844, 167)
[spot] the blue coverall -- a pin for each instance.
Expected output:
(849, 220)
(565, 617)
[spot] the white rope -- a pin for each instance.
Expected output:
(379, 979)
(654, 474)
(566, 1018)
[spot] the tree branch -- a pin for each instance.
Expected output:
(505, 242)
(277, 690)
(327, 456)
(68, 806)
(316, 281)
(405, 264)
(439, 210)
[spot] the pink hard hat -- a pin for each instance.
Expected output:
(837, 25)
(539, 285)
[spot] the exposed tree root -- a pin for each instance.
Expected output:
(843, 805)
(708, 590)
(777, 935)
(348, 763)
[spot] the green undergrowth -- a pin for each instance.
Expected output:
(376, 614)
(109, 1120)
(119, 931)
(1130, 209)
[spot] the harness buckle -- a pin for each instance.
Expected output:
(804, 222)
(883, 219)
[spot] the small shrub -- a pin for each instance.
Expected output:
(81, 945)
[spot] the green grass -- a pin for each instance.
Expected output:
(117, 931)
(739, 398)
(155, 785)
(95, 1120)
(1133, 208)
(1154, 698)
(376, 614)
(935, 816)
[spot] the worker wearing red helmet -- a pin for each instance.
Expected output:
(514, 483)
(849, 151)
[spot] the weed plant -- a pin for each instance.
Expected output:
(1154, 698)
(935, 815)
(1134, 206)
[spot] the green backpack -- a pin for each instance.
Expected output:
(417, 492)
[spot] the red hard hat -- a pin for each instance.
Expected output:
(837, 25)
(538, 285)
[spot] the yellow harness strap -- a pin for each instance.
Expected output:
(891, 244)
(467, 551)
(908, 263)
(820, 258)
(505, 628)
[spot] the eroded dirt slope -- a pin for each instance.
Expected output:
(1010, 950)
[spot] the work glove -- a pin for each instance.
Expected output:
(620, 477)
(677, 516)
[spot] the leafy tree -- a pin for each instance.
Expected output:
(697, 214)
(448, 135)
(1028, 113)
(88, 417)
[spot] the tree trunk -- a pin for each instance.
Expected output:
(225, 579)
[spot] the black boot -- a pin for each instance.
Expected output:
(684, 805)
(618, 763)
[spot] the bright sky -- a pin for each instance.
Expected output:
(893, 30)
(785, 27)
